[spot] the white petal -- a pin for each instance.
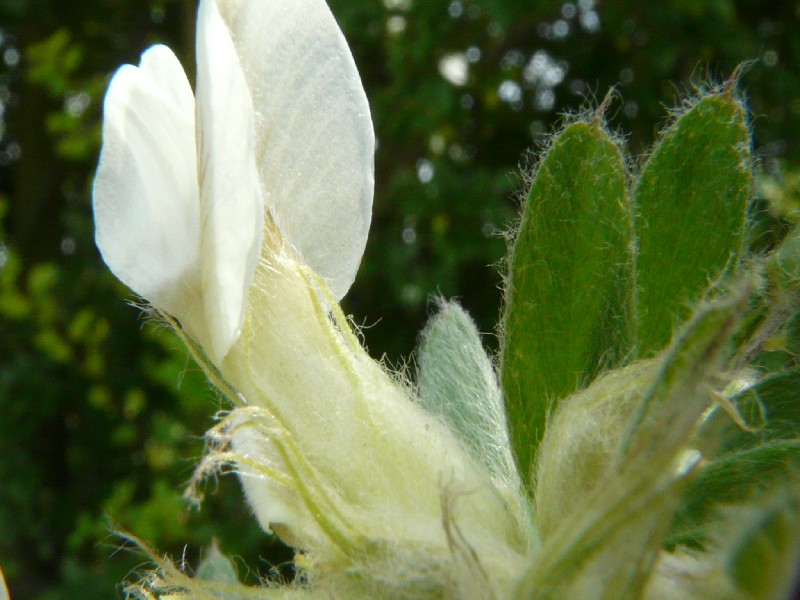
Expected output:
(314, 140)
(231, 203)
(145, 194)
(275, 505)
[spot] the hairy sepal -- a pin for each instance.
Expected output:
(457, 382)
(338, 459)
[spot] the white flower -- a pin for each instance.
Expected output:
(280, 130)
(243, 214)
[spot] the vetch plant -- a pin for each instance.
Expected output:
(640, 441)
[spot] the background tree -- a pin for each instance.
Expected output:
(101, 424)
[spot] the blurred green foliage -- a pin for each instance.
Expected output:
(101, 413)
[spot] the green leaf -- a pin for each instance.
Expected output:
(615, 532)
(677, 398)
(749, 462)
(457, 381)
(691, 203)
(733, 477)
(762, 559)
(569, 288)
(778, 397)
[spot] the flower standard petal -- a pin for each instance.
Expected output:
(230, 195)
(314, 136)
(145, 193)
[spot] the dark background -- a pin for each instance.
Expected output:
(102, 414)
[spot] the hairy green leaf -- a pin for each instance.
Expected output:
(691, 203)
(762, 556)
(457, 381)
(749, 461)
(569, 288)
